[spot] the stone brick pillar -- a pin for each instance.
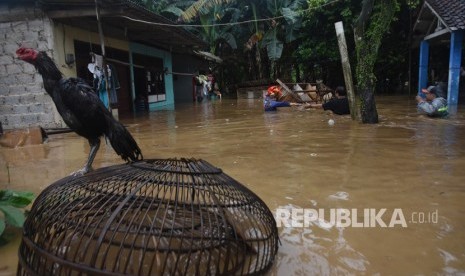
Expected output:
(23, 100)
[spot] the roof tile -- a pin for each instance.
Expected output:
(451, 11)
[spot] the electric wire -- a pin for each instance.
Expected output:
(223, 24)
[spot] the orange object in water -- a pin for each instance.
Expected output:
(274, 90)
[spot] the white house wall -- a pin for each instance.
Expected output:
(64, 41)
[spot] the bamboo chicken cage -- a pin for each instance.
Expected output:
(152, 217)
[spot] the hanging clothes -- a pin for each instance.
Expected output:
(113, 84)
(102, 93)
(95, 67)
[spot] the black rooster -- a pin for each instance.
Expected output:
(82, 110)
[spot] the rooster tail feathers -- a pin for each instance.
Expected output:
(122, 142)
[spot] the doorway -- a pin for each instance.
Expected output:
(125, 103)
(119, 60)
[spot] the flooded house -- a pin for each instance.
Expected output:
(438, 34)
(149, 59)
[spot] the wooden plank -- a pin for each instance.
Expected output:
(304, 97)
(289, 91)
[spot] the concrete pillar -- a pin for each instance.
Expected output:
(423, 68)
(454, 70)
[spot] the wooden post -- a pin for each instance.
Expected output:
(102, 45)
(354, 110)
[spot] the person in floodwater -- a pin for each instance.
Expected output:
(338, 105)
(271, 103)
(431, 102)
(201, 91)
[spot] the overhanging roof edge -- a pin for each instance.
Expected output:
(437, 15)
(59, 9)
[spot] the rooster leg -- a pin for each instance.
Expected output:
(94, 146)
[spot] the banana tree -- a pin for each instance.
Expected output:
(281, 32)
(215, 35)
(271, 37)
(202, 7)
(210, 13)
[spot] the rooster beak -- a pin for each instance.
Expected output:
(21, 52)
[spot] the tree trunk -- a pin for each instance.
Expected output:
(297, 72)
(258, 59)
(368, 108)
(371, 25)
(250, 67)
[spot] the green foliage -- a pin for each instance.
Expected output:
(412, 4)
(315, 3)
(16, 199)
(371, 26)
(369, 35)
(213, 34)
(2, 226)
(280, 31)
(201, 7)
(13, 216)
(172, 9)
(291, 12)
(176, 11)
(11, 204)
(317, 49)
(301, 35)
(274, 47)
(290, 15)
(346, 13)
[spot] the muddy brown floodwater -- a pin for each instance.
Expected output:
(410, 165)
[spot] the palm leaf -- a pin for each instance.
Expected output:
(2, 226)
(201, 7)
(275, 50)
(173, 10)
(291, 16)
(294, 24)
(274, 46)
(230, 39)
(297, 4)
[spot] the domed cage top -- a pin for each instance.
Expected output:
(153, 217)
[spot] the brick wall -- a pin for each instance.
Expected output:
(23, 101)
